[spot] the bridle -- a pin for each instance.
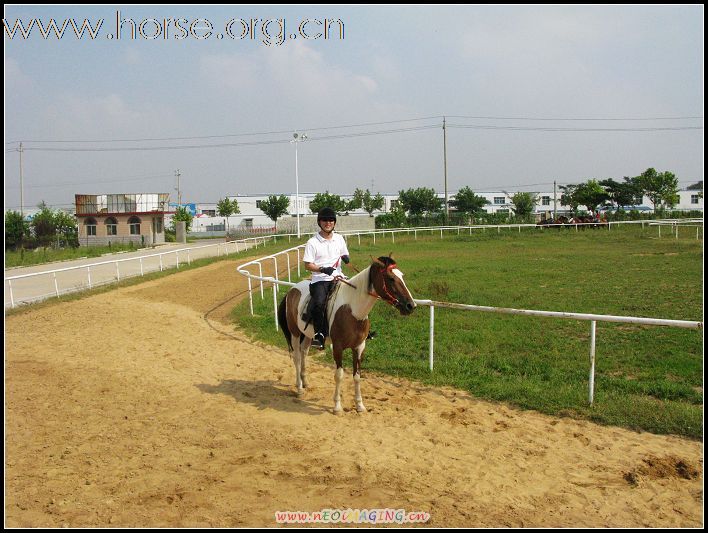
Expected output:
(389, 298)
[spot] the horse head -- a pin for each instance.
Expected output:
(387, 281)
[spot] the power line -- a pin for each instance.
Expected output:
(529, 128)
(280, 132)
(576, 118)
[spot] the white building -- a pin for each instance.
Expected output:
(252, 218)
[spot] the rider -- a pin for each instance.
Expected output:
(324, 254)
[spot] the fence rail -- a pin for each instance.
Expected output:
(592, 318)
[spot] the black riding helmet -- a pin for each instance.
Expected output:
(326, 212)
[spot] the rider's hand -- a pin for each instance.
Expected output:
(327, 270)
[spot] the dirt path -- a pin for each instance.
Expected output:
(130, 409)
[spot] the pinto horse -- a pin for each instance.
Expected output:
(347, 311)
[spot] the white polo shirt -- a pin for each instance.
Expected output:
(325, 253)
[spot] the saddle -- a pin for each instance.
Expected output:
(310, 308)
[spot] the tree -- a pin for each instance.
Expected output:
(16, 230)
(420, 201)
(568, 197)
(66, 228)
(44, 224)
(226, 208)
(367, 202)
(622, 193)
(275, 207)
(182, 214)
(591, 194)
(333, 201)
(660, 187)
(467, 202)
(524, 203)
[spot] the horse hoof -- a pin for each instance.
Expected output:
(360, 409)
(337, 411)
(300, 393)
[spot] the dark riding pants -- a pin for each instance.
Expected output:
(319, 292)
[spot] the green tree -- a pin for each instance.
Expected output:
(524, 203)
(369, 203)
(66, 228)
(226, 208)
(660, 187)
(568, 197)
(622, 193)
(275, 207)
(16, 230)
(420, 201)
(44, 225)
(467, 202)
(591, 194)
(182, 214)
(324, 199)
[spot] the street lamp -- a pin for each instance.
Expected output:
(297, 138)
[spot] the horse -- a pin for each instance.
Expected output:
(347, 311)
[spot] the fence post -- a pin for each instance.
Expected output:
(432, 336)
(260, 275)
(117, 271)
(88, 271)
(275, 275)
(177, 257)
(12, 298)
(275, 305)
(160, 262)
(141, 267)
(56, 286)
(287, 257)
(250, 294)
(591, 393)
(298, 261)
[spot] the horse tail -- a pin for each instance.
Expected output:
(283, 321)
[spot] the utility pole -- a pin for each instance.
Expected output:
(179, 193)
(554, 200)
(22, 186)
(447, 206)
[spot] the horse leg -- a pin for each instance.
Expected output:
(358, 353)
(338, 376)
(297, 360)
(304, 348)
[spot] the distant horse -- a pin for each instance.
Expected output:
(347, 311)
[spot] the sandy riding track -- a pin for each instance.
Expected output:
(130, 408)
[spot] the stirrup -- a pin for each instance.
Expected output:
(318, 341)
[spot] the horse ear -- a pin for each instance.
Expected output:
(377, 262)
(390, 255)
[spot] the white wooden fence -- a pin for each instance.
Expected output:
(592, 318)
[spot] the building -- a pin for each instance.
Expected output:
(121, 218)
(252, 220)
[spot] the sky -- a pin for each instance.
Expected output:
(530, 95)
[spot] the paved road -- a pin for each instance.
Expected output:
(85, 273)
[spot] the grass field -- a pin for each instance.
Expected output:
(647, 378)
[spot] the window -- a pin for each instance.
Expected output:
(694, 198)
(394, 204)
(209, 212)
(90, 224)
(545, 200)
(503, 211)
(258, 203)
(134, 223)
(158, 227)
(111, 226)
(499, 200)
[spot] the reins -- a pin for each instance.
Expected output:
(390, 298)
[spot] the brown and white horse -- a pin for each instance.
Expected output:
(347, 311)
